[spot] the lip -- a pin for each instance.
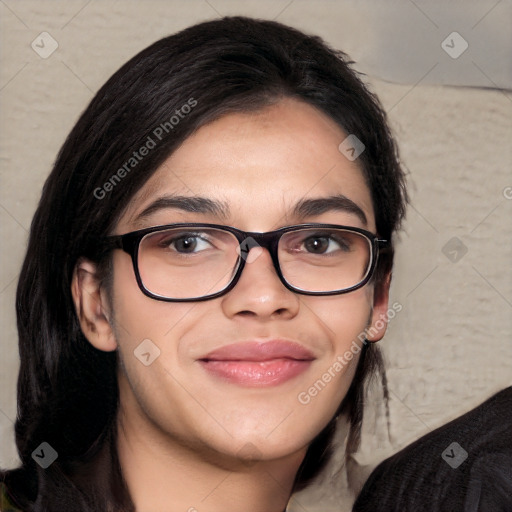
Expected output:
(260, 351)
(258, 364)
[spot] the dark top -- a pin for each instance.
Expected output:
(465, 465)
(7, 503)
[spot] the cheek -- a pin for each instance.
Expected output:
(138, 317)
(146, 331)
(144, 325)
(345, 316)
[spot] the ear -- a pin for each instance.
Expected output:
(379, 318)
(92, 306)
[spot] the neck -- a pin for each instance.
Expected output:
(164, 475)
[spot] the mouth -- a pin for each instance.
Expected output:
(258, 364)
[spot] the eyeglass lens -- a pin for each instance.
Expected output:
(183, 263)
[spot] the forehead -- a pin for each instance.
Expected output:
(258, 165)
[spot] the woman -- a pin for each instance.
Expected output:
(206, 274)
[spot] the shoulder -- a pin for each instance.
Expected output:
(7, 503)
(18, 488)
(465, 463)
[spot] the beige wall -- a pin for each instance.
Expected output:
(450, 347)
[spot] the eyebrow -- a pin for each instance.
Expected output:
(203, 205)
(191, 204)
(339, 202)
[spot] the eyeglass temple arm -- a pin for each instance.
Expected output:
(110, 243)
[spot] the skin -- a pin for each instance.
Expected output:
(185, 436)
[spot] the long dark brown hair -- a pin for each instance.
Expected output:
(67, 390)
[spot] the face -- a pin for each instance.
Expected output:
(258, 166)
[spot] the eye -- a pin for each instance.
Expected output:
(325, 244)
(186, 243)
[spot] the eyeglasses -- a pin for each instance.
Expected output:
(194, 262)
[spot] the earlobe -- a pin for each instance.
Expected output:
(92, 307)
(379, 318)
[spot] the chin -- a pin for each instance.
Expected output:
(269, 447)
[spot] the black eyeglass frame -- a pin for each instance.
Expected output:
(129, 243)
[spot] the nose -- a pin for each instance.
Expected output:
(259, 292)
